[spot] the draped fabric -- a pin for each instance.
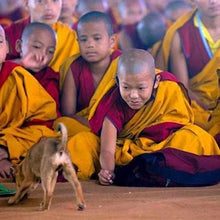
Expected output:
(26, 113)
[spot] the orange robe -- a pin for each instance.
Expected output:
(203, 82)
(26, 111)
(92, 95)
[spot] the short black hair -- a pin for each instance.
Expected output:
(97, 16)
(28, 30)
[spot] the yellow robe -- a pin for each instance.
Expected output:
(170, 105)
(22, 100)
(67, 45)
(73, 126)
(204, 84)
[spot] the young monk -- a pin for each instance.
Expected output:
(67, 14)
(131, 13)
(11, 11)
(37, 47)
(191, 52)
(176, 9)
(85, 6)
(28, 100)
(144, 113)
(151, 30)
(85, 78)
(45, 11)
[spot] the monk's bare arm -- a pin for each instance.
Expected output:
(159, 63)
(124, 41)
(69, 99)
(68, 95)
(179, 67)
(107, 153)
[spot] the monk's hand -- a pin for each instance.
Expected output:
(106, 177)
(33, 60)
(5, 169)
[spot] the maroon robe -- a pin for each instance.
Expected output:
(84, 80)
(193, 48)
(119, 113)
(13, 33)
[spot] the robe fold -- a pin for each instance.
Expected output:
(163, 126)
(88, 96)
(202, 71)
(27, 111)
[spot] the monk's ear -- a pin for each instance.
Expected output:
(113, 41)
(18, 46)
(157, 80)
(7, 45)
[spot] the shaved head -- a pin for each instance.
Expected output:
(133, 61)
(34, 26)
(2, 30)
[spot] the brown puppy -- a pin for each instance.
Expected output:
(42, 164)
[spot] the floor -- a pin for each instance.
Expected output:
(111, 202)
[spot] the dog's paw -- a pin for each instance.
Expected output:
(43, 207)
(81, 206)
(11, 201)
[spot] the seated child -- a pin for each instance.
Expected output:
(176, 9)
(145, 113)
(28, 99)
(11, 11)
(45, 11)
(151, 30)
(131, 13)
(190, 51)
(85, 78)
(67, 14)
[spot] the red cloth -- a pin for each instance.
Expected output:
(13, 33)
(49, 79)
(7, 67)
(84, 80)
(119, 113)
(193, 47)
(131, 31)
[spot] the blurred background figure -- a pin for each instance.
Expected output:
(176, 9)
(85, 6)
(151, 30)
(11, 10)
(157, 5)
(114, 14)
(67, 14)
(131, 13)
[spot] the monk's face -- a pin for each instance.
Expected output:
(3, 46)
(94, 41)
(68, 7)
(44, 11)
(208, 8)
(136, 89)
(133, 11)
(41, 45)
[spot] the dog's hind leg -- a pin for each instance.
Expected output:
(70, 174)
(48, 182)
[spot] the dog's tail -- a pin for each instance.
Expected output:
(62, 129)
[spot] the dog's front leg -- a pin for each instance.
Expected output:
(22, 191)
(70, 174)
